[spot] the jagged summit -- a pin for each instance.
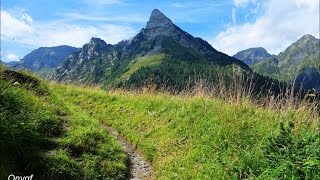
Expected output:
(158, 19)
(95, 40)
(97, 44)
(307, 36)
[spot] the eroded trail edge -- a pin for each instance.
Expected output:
(139, 168)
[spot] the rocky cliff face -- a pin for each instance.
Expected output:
(88, 63)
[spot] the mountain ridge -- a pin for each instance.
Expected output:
(43, 60)
(159, 36)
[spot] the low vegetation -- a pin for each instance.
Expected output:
(42, 135)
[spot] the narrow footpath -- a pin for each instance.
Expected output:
(139, 168)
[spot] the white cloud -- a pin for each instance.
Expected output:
(12, 57)
(282, 23)
(12, 27)
(77, 36)
(242, 3)
(57, 32)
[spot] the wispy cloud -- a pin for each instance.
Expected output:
(178, 5)
(55, 33)
(87, 17)
(282, 23)
(233, 15)
(242, 3)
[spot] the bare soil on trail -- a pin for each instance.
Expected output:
(139, 168)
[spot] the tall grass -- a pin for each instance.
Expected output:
(212, 131)
(240, 86)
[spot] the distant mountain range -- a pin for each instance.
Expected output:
(44, 59)
(299, 63)
(160, 54)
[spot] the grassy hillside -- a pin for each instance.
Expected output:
(55, 131)
(42, 135)
(209, 138)
(138, 63)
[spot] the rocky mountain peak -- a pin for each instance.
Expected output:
(96, 44)
(158, 19)
(97, 41)
(96, 47)
(307, 36)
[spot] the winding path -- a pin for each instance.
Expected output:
(139, 168)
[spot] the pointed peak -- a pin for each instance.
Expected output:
(307, 36)
(158, 19)
(156, 12)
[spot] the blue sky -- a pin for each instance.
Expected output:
(228, 25)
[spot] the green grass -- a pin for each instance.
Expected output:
(42, 135)
(138, 63)
(207, 138)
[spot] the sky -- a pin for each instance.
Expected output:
(228, 25)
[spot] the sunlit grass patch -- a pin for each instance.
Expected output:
(202, 137)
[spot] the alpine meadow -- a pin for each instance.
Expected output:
(86, 101)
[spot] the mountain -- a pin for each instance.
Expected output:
(10, 64)
(45, 58)
(161, 54)
(89, 63)
(300, 60)
(252, 55)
